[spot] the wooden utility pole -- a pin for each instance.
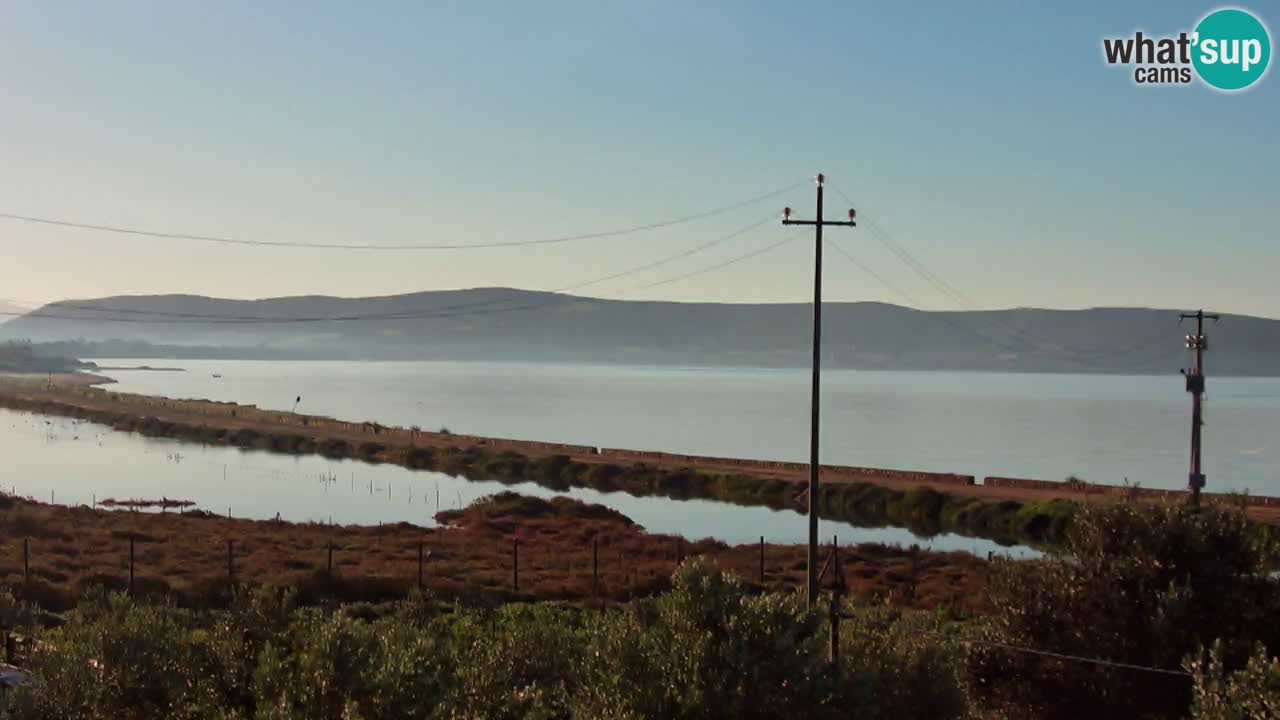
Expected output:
(1195, 385)
(818, 223)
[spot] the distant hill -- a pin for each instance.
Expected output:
(519, 325)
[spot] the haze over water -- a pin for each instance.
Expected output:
(1102, 428)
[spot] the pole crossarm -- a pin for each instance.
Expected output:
(841, 223)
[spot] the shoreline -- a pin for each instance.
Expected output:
(1009, 510)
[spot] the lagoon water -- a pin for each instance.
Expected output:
(75, 463)
(1103, 428)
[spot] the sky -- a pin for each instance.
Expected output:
(989, 139)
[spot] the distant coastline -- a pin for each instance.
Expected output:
(147, 368)
(533, 327)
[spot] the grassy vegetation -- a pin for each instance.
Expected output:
(1148, 587)
(708, 648)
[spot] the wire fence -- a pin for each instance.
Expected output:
(609, 576)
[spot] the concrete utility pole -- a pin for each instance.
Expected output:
(1195, 386)
(818, 223)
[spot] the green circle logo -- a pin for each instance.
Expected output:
(1232, 49)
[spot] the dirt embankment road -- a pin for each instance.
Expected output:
(78, 390)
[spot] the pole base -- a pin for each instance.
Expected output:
(1195, 481)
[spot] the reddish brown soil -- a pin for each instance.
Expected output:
(186, 555)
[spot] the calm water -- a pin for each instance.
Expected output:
(78, 461)
(1101, 428)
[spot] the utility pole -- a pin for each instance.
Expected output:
(818, 223)
(1195, 385)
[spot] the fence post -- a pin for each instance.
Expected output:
(595, 568)
(915, 575)
(761, 559)
(515, 565)
(329, 566)
(834, 618)
(679, 549)
(130, 564)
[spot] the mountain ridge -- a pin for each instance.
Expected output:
(496, 323)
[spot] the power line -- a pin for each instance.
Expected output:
(1075, 658)
(1102, 662)
(726, 263)
(121, 230)
(911, 301)
(1025, 338)
(255, 319)
(938, 282)
(942, 317)
(462, 310)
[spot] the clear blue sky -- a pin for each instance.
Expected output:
(988, 138)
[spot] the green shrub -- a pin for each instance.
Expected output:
(914, 664)
(517, 663)
(1249, 693)
(1140, 584)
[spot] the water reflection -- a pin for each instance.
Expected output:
(77, 462)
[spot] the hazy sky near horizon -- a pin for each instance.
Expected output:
(989, 139)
